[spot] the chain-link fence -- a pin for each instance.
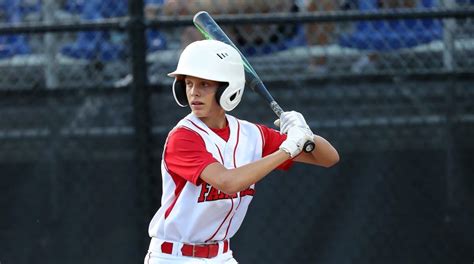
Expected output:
(86, 105)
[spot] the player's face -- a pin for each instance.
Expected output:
(201, 94)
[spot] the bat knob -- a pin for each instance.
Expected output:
(308, 146)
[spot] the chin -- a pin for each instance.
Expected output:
(199, 113)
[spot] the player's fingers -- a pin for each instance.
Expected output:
(277, 123)
(291, 122)
(284, 128)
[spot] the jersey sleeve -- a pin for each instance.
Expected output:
(272, 140)
(186, 155)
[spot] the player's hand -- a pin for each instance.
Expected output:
(291, 119)
(297, 137)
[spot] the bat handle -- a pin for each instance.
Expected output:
(276, 108)
(308, 145)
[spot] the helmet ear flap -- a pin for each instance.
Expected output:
(179, 92)
(220, 91)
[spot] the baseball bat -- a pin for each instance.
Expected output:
(211, 30)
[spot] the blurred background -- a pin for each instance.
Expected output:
(85, 106)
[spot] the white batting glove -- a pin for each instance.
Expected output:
(291, 119)
(294, 143)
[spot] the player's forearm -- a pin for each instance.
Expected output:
(324, 155)
(238, 179)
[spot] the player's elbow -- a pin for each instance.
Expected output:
(229, 185)
(227, 182)
(332, 160)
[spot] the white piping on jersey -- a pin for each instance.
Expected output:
(261, 134)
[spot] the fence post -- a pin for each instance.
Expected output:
(50, 40)
(141, 114)
(448, 39)
(451, 176)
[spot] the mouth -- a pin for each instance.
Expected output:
(196, 103)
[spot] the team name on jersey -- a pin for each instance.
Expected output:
(209, 193)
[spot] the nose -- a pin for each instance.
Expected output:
(194, 91)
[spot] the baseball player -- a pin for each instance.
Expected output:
(212, 160)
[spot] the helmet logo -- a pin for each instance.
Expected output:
(222, 55)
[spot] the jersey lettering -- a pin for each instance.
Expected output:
(209, 193)
(246, 192)
(204, 191)
(213, 194)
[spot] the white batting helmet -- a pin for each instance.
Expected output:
(211, 60)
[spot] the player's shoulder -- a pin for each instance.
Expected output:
(182, 138)
(182, 128)
(182, 132)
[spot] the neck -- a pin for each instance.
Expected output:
(217, 122)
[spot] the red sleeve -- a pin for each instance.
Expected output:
(186, 155)
(272, 140)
